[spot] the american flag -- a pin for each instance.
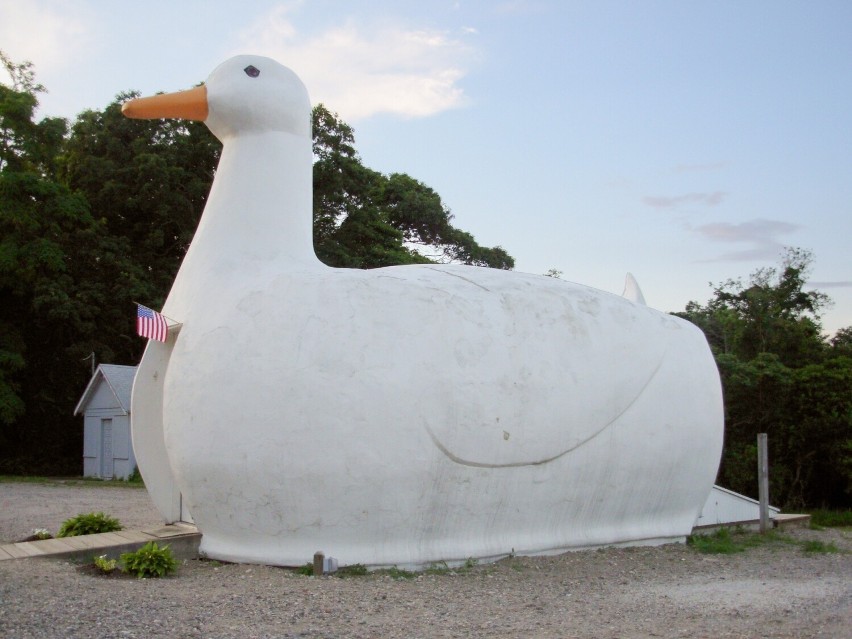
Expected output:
(151, 324)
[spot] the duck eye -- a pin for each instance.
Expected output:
(252, 71)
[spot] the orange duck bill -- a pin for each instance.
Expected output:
(187, 105)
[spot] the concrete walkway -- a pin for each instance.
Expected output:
(182, 538)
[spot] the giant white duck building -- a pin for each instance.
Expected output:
(401, 415)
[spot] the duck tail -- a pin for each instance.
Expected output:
(632, 291)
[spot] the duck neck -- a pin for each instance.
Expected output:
(259, 208)
(258, 215)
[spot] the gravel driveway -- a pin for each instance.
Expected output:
(774, 590)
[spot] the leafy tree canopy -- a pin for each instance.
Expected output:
(65, 286)
(365, 219)
(781, 377)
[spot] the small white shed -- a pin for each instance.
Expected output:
(105, 406)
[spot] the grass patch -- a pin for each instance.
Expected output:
(399, 573)
(819, 547)
(440, 568)
(26, 480)
(720, 542)
(824, 518)
(726, 542)
(73, 481)
(353, 570)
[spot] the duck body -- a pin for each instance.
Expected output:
(415, 414)
(412, 414)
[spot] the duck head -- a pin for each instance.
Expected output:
(244, 95)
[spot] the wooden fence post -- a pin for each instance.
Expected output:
(763, 480)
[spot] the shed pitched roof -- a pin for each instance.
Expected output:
(120, 382)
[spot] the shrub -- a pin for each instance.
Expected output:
(88, 524)
(149, 561)
(104, 564)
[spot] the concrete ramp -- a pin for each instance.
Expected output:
(726, 508)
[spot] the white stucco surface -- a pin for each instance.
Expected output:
(409, 414)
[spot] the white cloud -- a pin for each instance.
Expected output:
(759, 230)
(359, 70)
(661, 201)
(762, 234)
(48, 34)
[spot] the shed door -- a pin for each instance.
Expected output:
(106, 449)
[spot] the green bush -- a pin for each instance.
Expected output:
(104, 564)
(88, 524)
(149, 561)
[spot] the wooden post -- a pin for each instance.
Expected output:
(763, 480)
(319, 560)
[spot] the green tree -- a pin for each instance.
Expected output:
(781, 377)
(772, 313)
(365, 219)
(147, 180)
(61, 278)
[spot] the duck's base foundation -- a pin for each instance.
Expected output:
(209, 549)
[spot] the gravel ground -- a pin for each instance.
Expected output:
(774, 590)
(25, 507)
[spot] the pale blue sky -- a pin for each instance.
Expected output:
(685, 142)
